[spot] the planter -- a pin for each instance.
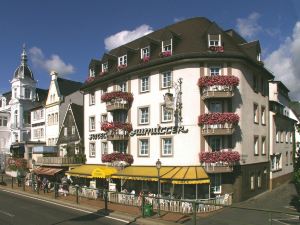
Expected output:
(227, 81)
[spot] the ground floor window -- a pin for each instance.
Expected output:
(275, 162)
(252, 182)
(216, 183)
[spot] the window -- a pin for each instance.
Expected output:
(144, 84)
(263, 115)
(120, 116)
(166, 79)
(122, 86)
(27, 93)
(282, 136)
(65, 131)
(92, 123)
(76, 148)
(56, 118)
(214, 40)
(122, 60)
(104, 147)
(252, 182)
(275, 162)
(167, 46)
(255, 83)
(216, 183)
(167, 148)
(73, 130)
(92, 73)
(214, 71)
(166, 114)
(105, 67)
(103, 118)
(144, 115)
(92, 149)
(120, 146)
(291, 158)
(145, 52)
(255, 145)
(15, 92)
(277, 136)
(215, 143)
(3, 121)
(143, 147)
(255, 113)
(287, 134)
(259, 180)
(215, 106)
(291, 137)
(92, 98)
(263, 145)
(286, 158)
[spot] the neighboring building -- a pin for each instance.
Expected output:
(295, 106)
(160, 96)
(282, 129)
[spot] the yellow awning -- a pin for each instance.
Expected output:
(172, 174)
(92, 171)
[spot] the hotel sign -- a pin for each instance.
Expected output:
(147, 131)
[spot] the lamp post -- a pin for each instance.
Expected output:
(158, 166)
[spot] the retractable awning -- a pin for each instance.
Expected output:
(92, 171)
(172, 174)
(49, 171)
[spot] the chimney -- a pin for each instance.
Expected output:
(53, 75)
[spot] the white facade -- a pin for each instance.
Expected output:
(38, 124)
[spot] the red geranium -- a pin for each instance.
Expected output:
(122, 67)
(114, 126)
(107, 97)
(222, 156)
(117, 156)
(228, 80)
(218, 118)
(145, 59)
(165, 54)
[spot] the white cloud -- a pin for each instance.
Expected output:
(126, 36)
(54, 62)
(284, 62)
(249, 27)
(178, 19)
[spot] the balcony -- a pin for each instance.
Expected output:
(117, 100)
(58, 161)
(116, 131)
(221, 161)
(217, 86)
(218, 123)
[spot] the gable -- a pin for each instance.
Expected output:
(53, 93)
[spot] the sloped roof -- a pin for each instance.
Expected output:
(67, 87)
(78, 117)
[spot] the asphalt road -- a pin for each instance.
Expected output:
(19, 210)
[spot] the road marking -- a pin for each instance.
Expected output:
(7, 213)
(69, 207)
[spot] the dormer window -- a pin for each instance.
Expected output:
(92, 73)
(214, 70)
(105, 67)
(122, 86)
(145, 52)
(214, 40)
(167, 46)
(258, 57)
(122, 60)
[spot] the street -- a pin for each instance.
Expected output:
(19, 210)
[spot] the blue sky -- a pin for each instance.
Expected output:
(64, 35)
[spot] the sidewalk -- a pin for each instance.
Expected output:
(128, 213)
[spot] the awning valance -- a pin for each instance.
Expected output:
(172, 174)
(92, 171)
(49, 171)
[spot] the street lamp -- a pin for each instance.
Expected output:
(158, 166)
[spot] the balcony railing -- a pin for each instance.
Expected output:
(217, 91)
(117, 100)
(58, 161)
(218, 129)
(217, 167)
(116, 130)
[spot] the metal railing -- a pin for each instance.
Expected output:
(58, 160)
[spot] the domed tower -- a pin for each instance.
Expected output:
(23, 88)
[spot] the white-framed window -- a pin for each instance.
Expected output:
(120, 146)
(92, 149)
(263, 115)
(166, 79)
(122, 60)
(143, 147)
(92, 98)
(105, 67)
(103, 118)
(92, 73)
(259, 180)
(166, 115)
(291, 137)
(214, 70)
(214, 40)
(76, 148)
(3, 121)
(145, 52)
(252, 182)
(287, 137)
(122, 86)
(104, 147)
(144, 84)
(65, 131)
(255, 145)
(144, 115)
(275, 162)
(167, 146)
(167, 45)
(216, 183)
(255, 113)
(92, 123)
(73, 130)
(263, 145)
(215, 143)
(277, 136)
(282, 137)
(27, 93)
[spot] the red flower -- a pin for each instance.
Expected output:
(165, 54)
(114, 126)
(107, 97)
(145, 59)
(222, 156)
(89, 79)
(218, 118)
(117, 156)
(122, 67)
(103, 73)
(227, 80)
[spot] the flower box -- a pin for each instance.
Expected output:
(117, 96)
(145, 59)
(222, 157)
(117, 156)
(228, 80)
(116, 126)
(218, 118)
(122, 67)
(103, 73)
(165, 54)
(89, 80)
